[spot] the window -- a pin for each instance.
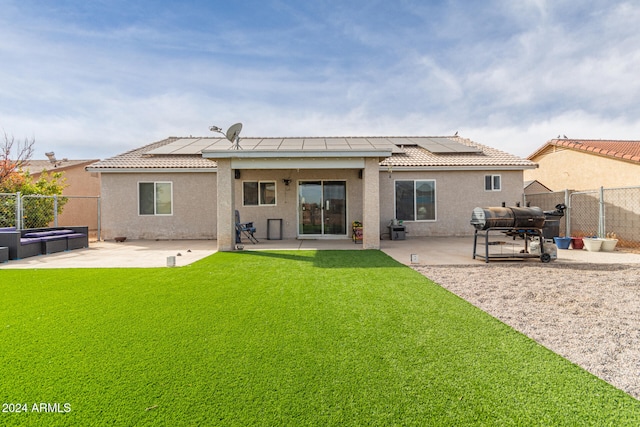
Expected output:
(258, 193)
(155, 198)
(492, 183)
(416, 200)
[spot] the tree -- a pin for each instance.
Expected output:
(37, 211)
(11, 162)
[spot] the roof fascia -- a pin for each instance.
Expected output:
(151, 170)
(541, 150)
(294, 154)
(456, 168)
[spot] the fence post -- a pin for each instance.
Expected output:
(99, 217)
(55, 210)
(601, 230)
(567, 217)
(18, 211)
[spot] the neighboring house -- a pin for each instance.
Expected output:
(82, 189)
(189, 188)
(585, 164)
(535, 187)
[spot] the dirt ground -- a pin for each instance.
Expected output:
(587, 313)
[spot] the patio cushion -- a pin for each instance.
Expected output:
(48, 233)
(30, 240)
(38, 234)
(54, 237)
(64, 231)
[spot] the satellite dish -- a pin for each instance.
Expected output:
(234, 132)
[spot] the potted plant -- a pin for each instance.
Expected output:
(577, 243)
(562, 242)
(609, 243)
(592, 244)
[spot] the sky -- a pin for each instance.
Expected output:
(93, 79)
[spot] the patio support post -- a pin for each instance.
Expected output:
(225, 203)
(371, 204)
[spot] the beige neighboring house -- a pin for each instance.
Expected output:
(83, 189)
(189, 188)
(586, 164)
(535, 187)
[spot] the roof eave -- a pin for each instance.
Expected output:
(440, 168)
(150, 170)
(295, 154)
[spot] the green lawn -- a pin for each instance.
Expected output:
(277, 338)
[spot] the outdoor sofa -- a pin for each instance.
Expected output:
(36, 241)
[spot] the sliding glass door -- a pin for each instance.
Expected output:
(322, 208)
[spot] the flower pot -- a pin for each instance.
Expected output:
(577, 243)
(592, 244)
(608, 245)
(562, 242)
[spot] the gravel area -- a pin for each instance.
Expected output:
(587, 313)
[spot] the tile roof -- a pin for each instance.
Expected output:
(411, 155)
(37, 166)
(618, 149)
(140, 159)
(487, 157)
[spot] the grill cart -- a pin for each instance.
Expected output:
(493, 224)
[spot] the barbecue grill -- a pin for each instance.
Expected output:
(527, 223)
(512, 217)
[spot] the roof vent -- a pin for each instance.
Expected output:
(52, 156)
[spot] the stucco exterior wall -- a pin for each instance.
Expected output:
(562, 168)
(286, 206)
(457, 194)
(194, 207)
(195, 194)
(535, 188)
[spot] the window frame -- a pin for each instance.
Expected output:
(492, 180)
(416, 205)
(260, 193)
(155, 199)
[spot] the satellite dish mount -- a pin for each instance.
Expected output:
(233, 134)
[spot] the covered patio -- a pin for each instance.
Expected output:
(337, 181)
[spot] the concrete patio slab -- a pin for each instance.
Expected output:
(427, 251)
(459, 250)
(136, 253)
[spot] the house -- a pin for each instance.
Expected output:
(82, 189)
(189, 188)
(585, 164)
(535, 187)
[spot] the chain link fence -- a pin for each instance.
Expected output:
(621, 211)
(37, 211)
(604, 212)
(9, 212)
(548, 202)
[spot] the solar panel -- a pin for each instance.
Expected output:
(441, 145)
(195, 146)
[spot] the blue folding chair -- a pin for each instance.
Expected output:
(245, 228)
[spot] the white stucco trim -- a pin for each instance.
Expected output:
(293, 154)
(453, 168)
(297, 163)
(152, 170)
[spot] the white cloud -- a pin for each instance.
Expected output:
(498, 73)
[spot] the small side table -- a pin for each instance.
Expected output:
(277, 221)
(397, 232)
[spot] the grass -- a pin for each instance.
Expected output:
(278, 338)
